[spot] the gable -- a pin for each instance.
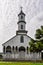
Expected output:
(15, 41)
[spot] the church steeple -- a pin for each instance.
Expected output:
(21, 16)
(21, 23)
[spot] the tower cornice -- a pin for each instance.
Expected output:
(21, 32)
(21, 21)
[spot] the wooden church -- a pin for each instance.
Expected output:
(18, 46)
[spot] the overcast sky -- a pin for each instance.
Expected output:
(9, 10)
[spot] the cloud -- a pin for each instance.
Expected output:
(34, 24)
(40, 17)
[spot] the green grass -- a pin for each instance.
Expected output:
(20, 63)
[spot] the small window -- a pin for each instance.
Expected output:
(22, 39)
(21, 26)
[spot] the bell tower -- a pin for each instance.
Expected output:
(21, 23)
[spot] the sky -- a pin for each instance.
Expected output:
(9, 10)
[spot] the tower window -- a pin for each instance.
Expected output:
(22, 39)
(21, 26)
(21, 17)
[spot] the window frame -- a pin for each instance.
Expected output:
(21, 16)
(21, 26)
(22, 39)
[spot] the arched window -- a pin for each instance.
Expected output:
(8, 49)
(22, 39)
(21, 26)
(16, 48)
(13, 48)
(4, 49)
(22, 48)
(27, 50)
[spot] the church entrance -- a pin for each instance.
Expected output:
(22, 52)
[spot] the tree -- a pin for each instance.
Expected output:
(39, 33)
(39, 39)
(39, 36)
(37, 46)
(32, 45)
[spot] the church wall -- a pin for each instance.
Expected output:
(16, 41)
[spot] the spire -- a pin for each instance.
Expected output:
(21, 12)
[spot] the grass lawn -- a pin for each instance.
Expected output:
(20, 63)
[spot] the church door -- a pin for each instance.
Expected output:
(21, 53)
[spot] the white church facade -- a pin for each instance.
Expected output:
(18, 46)
(20, 42)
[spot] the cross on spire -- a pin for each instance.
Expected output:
(21, 12)
(21, 7)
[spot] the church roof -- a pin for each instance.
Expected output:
(9, 39)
